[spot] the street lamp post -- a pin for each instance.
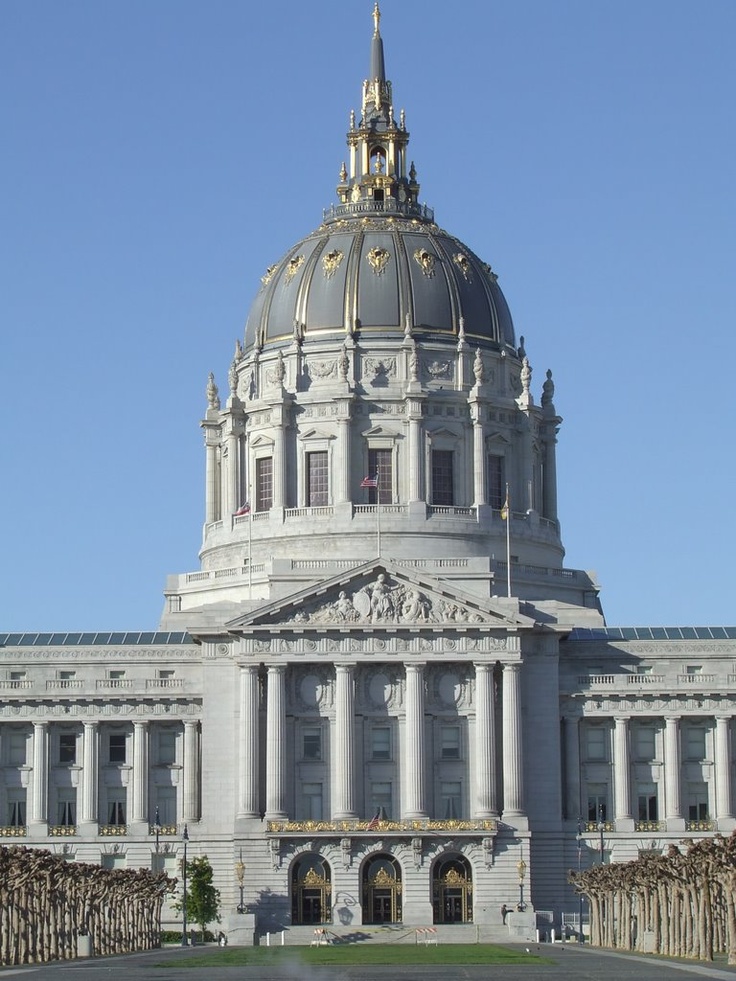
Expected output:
(580, 865)
(240, 876)
(521, 869)
(601, 828)
(157, 829)
(184, 940)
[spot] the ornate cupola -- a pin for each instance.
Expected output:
(378, 166)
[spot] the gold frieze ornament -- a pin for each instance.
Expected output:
(293, 266)
(331, 262)
(268, 275)
(378, 259)
(426, 261)
(463, 264)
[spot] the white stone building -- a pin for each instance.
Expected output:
(382, 692)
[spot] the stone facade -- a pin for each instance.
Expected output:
(382, 697)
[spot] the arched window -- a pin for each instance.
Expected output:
(382, 890)
(311, 890)
(452, 890)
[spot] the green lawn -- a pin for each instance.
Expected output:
(344, 955)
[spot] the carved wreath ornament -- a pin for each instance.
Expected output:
(426, 261)
(331, 262)
(383, 601)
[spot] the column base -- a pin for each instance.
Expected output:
(675, 824)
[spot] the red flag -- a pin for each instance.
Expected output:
(243, 509)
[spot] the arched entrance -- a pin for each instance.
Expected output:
(311, 890)
(382, 890)
(452, 890)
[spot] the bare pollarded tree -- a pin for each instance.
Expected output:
(47, 903)
(681, 904)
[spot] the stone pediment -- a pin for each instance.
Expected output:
(381, 594)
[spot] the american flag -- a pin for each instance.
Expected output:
(243, 509)
(370, 481)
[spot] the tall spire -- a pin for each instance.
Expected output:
(378, 177)
(378, 70)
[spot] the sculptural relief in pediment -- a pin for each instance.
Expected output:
(387, 601)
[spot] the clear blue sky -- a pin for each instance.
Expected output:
(159, 154)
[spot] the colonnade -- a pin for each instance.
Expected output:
(89, 774)
(672, 763)
(485, 802)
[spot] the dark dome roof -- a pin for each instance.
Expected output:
(372, 272)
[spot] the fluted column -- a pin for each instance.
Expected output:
(279, 475)
(550, 475)
(479, 464)
(573, 805)
(38, 810)
(140, 772)
(275, 734)
(232, 475)
(88, 810)
(622, 802)
(342, 483)
(673, 806)
(723, 768)
(415, 459)
(248, 743)
(485, 743)
(211, 510)
(513, 768)
(414, 758)
(190, 796)
(344, 760)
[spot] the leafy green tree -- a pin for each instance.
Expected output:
(203, 900)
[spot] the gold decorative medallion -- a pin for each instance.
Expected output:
(293, 265)
(378, 258)
(331, 261)
(426, 260)
(463, 264)
(268, 276)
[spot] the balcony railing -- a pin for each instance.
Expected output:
(706, 825)
(649, 826)
(112, 830)
(13, 831)
(62, 830)
(164, 830)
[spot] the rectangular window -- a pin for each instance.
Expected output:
(116, 675)
(380, 799)
(450, 742)
(116, 809)
(264, 483)
(165, 674)
(697, 802)
(312, 743)
(595, 743)
(496, 482)
(17, 676)
(317, 480)
(451, 800)
(117, 748)
(67, 747)
(695, 743)
(644, 742)
(166, 806)
(381, 743)
(442, 483)
(381, 462)
(67, 675)
(597, 802)
(16, 810)
(312, 801)
(67, 809)
(166, 747)
(16, 748)
(693, 670)
(647, 802)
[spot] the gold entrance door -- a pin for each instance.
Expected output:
(311, 891)
(382, 891)
(452, 889)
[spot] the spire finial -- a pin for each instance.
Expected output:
(376, 20)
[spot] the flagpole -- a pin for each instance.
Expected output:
(508, 544)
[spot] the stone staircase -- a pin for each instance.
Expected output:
(395, 933)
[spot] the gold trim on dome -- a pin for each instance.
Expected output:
(331, 261)
(378, 259)
(463, 264)
(268, 275)
(292, 267)
(490, 273)
(426, 261)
